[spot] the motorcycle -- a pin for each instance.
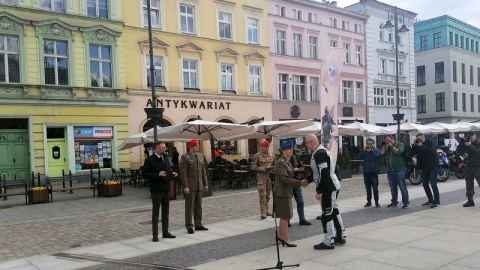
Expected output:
(443, 166)
(413, 172)
(457, 165)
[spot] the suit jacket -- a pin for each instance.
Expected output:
(284, 185)
(152, 166)
(193, 171)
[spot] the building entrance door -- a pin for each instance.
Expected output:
(57, 157)
(15, 155)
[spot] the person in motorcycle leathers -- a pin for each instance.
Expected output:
(428, 161)
(471, 145)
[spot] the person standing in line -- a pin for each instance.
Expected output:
(297, 192)
(156, 169)
(194, 180)
(370, 156)
(471, 145)
(427, 161)
(175, 157)
(392, 152)
(327, 188)
(262, 162)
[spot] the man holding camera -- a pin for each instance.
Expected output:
(428, 161)
(392, 152)
(471, 145)
(370, 156)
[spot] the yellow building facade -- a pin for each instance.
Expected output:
(211, 60)
(63, 103)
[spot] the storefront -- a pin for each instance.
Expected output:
(93, 147)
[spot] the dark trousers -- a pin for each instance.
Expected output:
(163, 199)
(471, 173)
(396, 179)
(370, 179)
(429, 178)
(193, 203)
(298, 195)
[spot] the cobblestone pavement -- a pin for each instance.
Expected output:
(42, 236)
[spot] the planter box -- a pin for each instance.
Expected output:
(112, 190)
(37, 196)
(344, 174)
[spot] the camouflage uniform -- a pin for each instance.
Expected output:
(264, 184)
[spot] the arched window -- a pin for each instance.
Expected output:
(228, 147)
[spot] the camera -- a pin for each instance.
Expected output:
(417, 141)
(465, 139)
(384, 143)
(367, 148)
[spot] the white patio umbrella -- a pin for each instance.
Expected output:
(315, 128)
(362, 129)
(141, 139)
(267, 129)
(412, 128)
(451, 127)
(473, 126)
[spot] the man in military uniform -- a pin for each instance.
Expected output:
(262, 162)
(194, 180)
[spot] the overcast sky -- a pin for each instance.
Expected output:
(464, 10)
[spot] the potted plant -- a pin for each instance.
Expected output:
(344, 162)
(111, 188)
(38, 195)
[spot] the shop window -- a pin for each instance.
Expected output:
(228, 147)
(93, 147)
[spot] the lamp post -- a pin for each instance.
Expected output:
(388, 25)
(153, 113)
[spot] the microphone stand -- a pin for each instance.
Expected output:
(279, 262)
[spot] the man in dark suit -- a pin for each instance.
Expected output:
(193, 173)
(156, 170)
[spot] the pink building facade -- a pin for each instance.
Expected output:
(302, 32)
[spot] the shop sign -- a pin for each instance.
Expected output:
(92, 132)
(189, 104)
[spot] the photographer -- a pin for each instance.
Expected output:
(370, 156)
(427, 161)
(471, 146)
(392, 152)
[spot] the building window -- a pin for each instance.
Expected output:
(456, 40)
(390, 37)
(333, 43)
(381, 34)
(378, 96)
(158, 64)
(467, 44)
(94, 151)
(423, 43)
(297, 45)
(53, 5)
(312, 17)
(97, 8)
(347, 92)
(297, 14)
(455, 101)
(464, 102)
(298, 88)
(9, 59)
(100, 66)
(255, 80)
(450, 35)
(391, 97)
(440, 102)
(478, 76)
(346, 46)
(190, 74)
(282, 86)
(471, 75)
(346, 25)
(314, 89)
(359, 93)
(400, 69)
(252, 30)
(437, 39)
(56, 62)
(154, 13)
(187, 19)
(225, 25)
(358, 28)
(226, 74)
(421, 104)
(471, 47)
(281, 42)
(476, 46)
(333, 22)
(463, 73)
(420, 75)
(358, 55)
(313, 47)
(439, 73)
(461, 42)
(472, 102)
(383, 66)
(403, 98)
(280, 10)
(454, 70)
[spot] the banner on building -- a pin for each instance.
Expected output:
(329, 98)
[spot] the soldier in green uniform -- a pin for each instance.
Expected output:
(194, 180)
(262, 162)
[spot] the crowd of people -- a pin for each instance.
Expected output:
(288, 175)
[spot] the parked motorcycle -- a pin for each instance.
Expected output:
(413, 172)
(443, 166)
(457, 165)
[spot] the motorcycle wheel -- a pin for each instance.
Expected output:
(460, 173)
(443, 174)
(415, 178)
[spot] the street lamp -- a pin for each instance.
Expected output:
(153, 113)
(403, 29)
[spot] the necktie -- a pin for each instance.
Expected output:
(161, 157)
